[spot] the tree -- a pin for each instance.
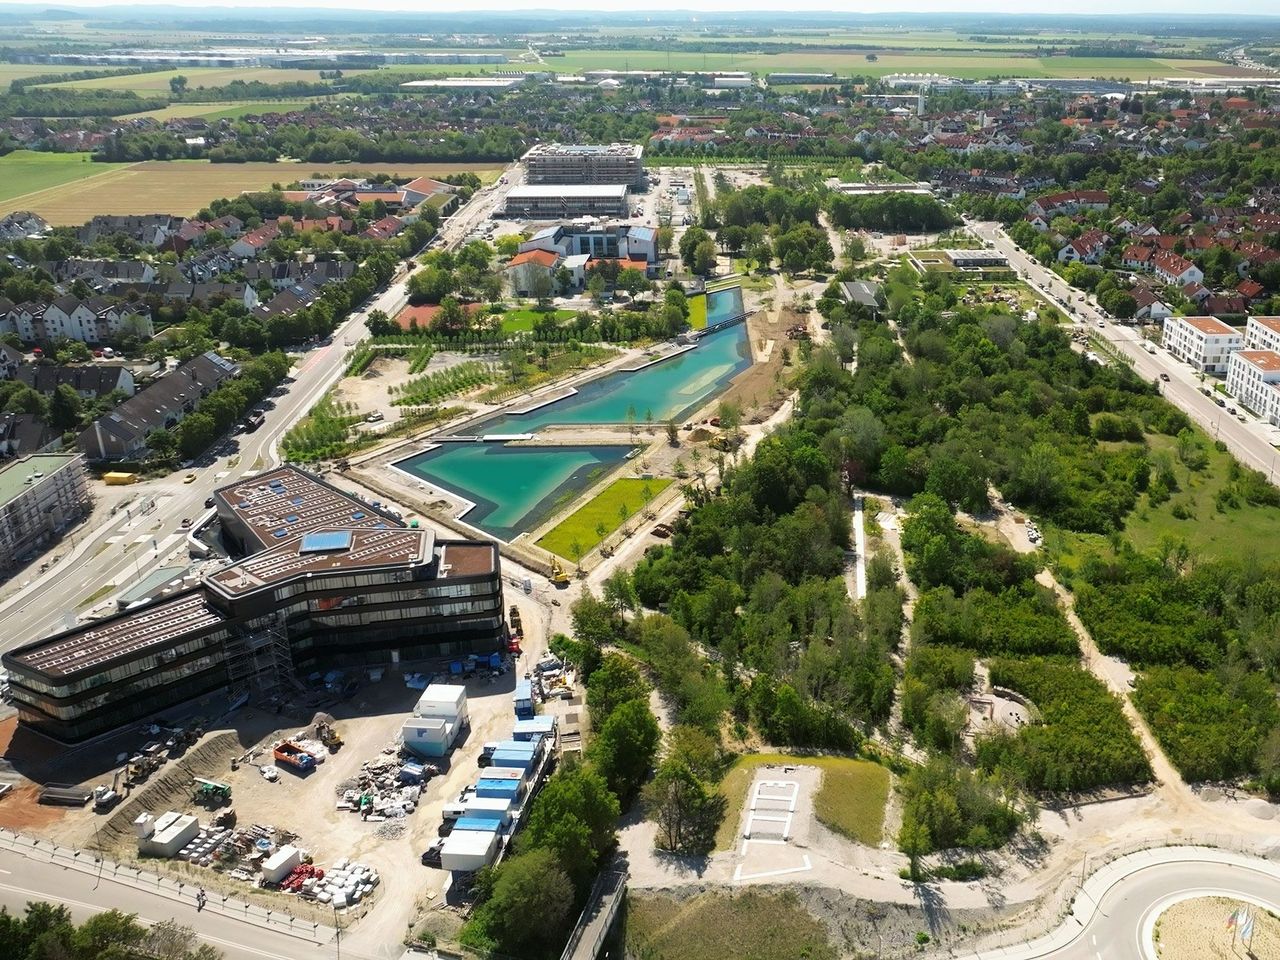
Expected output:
(65, 408)
(195, 433)
(529, 909)
(684, 810)
(624, 748)
(620, 592)
(704, 258)
(162, 444)
(575, 815)
(689, 243)
(541, 287)
(616, 682)
(380, 324)
(595, 625)
(673, 433)
(178, 85)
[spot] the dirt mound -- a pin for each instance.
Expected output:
(170, 789)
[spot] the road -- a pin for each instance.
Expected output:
(1114, 915)
(84, 894)
(1252, 441)
(127, 546)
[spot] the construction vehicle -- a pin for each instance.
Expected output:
(104, 798)
(327, 734)
(211, 793)
(290, 754)
(227, 819)
(140, 767)
(559, 578)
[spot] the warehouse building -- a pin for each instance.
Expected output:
(580, 163)
(546, 202)
(332, 591)
(40, 497)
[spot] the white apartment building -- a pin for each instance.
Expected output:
(583, 163)
(1262, 333)
(1253, 378)
(95, 320)
(40, 496)
(1204, 342)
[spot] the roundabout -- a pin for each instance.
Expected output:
(1115, 915)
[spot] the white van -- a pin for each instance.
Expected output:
(453, 811)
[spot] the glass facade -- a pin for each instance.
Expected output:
(342, 619)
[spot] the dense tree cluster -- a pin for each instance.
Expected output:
(45, 931)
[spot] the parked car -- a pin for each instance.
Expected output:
(189, 478)
(1164, 377)
(431, 856)
(208, 502)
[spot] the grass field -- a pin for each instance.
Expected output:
(604, 509)
(158, 82)
(179, 187)
(24, 173)
(226, 109)
(851, 800)
(698, 311)
(751, 924)
(1247, 530)
(521, 321)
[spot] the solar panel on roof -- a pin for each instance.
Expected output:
(295, 500)
(357, 515)
(278, 533)
(291, 518)
(325, 541)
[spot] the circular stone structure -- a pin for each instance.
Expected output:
(1197, 929)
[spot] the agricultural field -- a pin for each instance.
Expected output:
(158, 82)
(755, 924)
(179, 187)
(17, 71)
(602, 511)
(851, 800)
(966, 64)
(24, 175)
(224, 110)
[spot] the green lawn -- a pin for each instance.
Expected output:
(224, 110)
(698, 311)
(581, 526)
(1244, 530)
(752, 924)
(851, 800)
(24, 171)
(522, 320)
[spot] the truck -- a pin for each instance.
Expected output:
(253, 422)
(290, 754)
(118, 478)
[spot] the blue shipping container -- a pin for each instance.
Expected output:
(502, 789)
(476, 823)
(510, 758)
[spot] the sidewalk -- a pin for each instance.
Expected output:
(281, 921)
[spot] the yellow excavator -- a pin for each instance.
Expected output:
(558, 577)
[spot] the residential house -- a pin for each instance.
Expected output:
(22, 434)
(21, 225)
(94, 320)
(1206, 343)
(150, 230)
(1069, 201)
(1150, 306)
(122, 433)
(384, 229)
(1262, 333)
(1173, 268)
(250, 245)
(90, 381)
(11, 359)
(523, 267)
(1086, 248)
(1253, 378)
(1137, 257)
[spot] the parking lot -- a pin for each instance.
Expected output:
(777, 821)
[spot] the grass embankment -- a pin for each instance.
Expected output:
(851, 800)
(602, 511)
(761, 926)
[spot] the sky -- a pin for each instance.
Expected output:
(427, 7)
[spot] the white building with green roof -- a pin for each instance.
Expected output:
(40, 497)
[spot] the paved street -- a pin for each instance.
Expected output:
(1115, 913)
(1251, 441)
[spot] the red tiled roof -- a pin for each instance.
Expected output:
(543, 258)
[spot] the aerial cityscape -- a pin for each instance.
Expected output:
(667, 484)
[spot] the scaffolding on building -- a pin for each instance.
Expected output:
(260, 664)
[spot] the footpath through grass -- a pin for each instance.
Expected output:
(752, 924)
(851, 800)
(603, 511)
(26, 171)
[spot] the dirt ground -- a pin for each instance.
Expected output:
(1197, 930)
(369, 392)
(761, 388)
